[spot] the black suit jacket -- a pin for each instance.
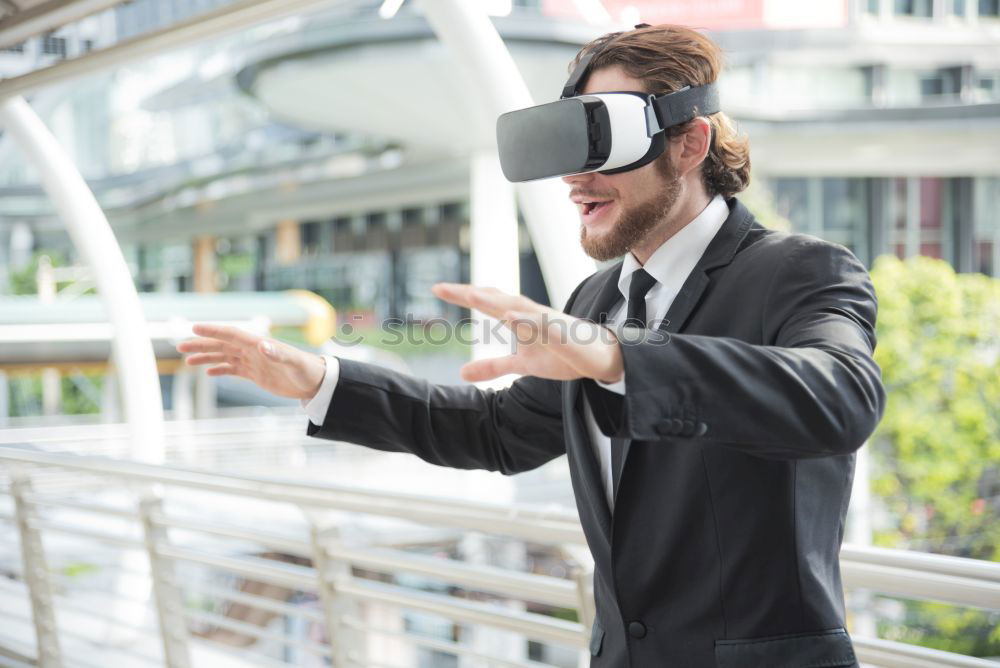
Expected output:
(742, 413)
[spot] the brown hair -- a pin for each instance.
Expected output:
(667, 58)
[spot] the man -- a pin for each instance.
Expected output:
(711, 445)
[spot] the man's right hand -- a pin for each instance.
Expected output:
(277, 367)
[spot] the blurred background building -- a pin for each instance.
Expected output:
(247, 164)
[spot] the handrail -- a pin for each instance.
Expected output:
(890, 654)
(521, 586)
(922, 561)
(921, 584)
(534, 626)
(896, 572)
(551, 526)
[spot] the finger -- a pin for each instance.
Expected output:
(453, 293)
(580, 344)
(489, 300)
(201, 346)
(527, 327)
(225, 369)
(488, 369)
(205, 358)
(225, 333)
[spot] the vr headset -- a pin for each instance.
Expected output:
(600, 132)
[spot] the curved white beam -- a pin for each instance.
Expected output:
(494, 78)
(96, 243)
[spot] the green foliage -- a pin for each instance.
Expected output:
(78, 569)
(80, 395)
(23, 282)
(936, 453)
(937, 450)
(942, 626)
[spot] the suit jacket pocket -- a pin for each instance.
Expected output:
(596, 638)
(821, 649)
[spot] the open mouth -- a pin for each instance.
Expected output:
(593, 207)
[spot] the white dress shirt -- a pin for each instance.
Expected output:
(670, 265)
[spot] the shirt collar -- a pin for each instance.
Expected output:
(671, 263)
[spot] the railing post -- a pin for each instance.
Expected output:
(585, 596)
(166, 592)
(328, 572)
(36, 574)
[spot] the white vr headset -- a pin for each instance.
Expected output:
(600, 132)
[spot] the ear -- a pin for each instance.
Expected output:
(690, 148)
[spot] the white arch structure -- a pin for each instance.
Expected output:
(88, 227)
(463, 26)
(549, 215)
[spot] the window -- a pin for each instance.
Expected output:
(987, 87)
(791, 199)
(451, 211)
(917, 8)
(413, 216)
(86, 45)
(917, 217)
(53, 45)
(835, 209)
(986, 226)
(945, 82)
(310, 238)
(989, 8)
(342, 224)
(13, 48)
(912, 87)
(958, 7)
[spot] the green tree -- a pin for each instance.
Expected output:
(936, 453)
(24, 281)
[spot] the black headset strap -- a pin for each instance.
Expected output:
(680, 107)
(662, 112)
(579, 72)
(570, 88)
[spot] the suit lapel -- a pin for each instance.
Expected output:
(720, 252)
(583, 458)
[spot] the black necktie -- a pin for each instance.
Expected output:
(635, 316)
(641, 283)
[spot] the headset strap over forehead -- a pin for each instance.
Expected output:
(572, 85)
(579, 73)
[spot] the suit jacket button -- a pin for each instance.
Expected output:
(637, 629)
(702, 428)
(676, 425)
(663, 428)
(688, 428)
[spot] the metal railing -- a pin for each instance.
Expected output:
(219, 582)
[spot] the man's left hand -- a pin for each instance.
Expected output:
(550, 344)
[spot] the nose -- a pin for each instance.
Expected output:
(578, 179)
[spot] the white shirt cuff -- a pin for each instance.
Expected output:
(317, 407)
(618, 386)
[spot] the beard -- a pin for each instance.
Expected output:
(636, 221)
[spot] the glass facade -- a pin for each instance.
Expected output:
(954, 219)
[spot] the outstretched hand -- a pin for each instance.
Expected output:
(274, 366)
(550, 343)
